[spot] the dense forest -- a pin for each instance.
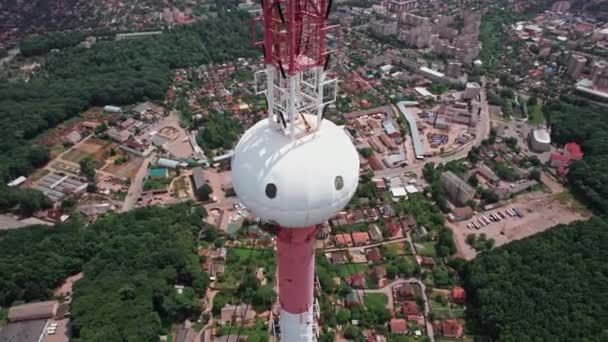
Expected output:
(550, 287)
(37, 259)
(586, 124)
(111, 72)
(131, 262)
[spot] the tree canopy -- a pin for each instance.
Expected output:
(550, 287)
(578, 121)
(130, 261)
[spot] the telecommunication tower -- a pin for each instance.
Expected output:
(295, 169)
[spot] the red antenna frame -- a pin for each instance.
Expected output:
(294, 34)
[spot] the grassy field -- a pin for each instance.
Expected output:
(244, 253)
(398, 248)
(426, 249)
(375, 300)
(535, 115)
(346, 270)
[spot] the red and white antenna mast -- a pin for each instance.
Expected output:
(297, 44)
(295, 169)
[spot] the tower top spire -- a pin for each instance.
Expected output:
(297, 44)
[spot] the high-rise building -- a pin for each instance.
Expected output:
(599, 68)
(471, 91)
(383, 28)
(399, 6)
(454, 69)
(575, 65)
(458, 190)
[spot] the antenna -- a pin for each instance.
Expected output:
(294, 169)
(295, 41)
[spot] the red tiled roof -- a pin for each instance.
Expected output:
(398, 326)
(360, 237)
(373, 254)
(375, 164)
(574, 151)
(451, 328)
(357, 280)
(343, 239)
(410, 308)
(416, 319)
(458, 294)
(393, 228)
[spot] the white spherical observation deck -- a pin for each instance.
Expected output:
(295, 183)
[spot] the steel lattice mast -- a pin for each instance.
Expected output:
(297, 44)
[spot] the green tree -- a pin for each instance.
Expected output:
(366, 152)
(204, 192)
(535, 174)
(352, 332)
(87, 168)
(343, 316)
(264, 297)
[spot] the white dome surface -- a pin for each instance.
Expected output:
(304, 173)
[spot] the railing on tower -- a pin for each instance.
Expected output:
(297, 45)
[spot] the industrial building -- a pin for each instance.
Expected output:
(56, 187)
(457, 189)
(198, 177)
(471, 91)
(540, 140)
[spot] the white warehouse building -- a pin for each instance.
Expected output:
(540, 140)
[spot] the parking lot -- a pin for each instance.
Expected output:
(524, 216)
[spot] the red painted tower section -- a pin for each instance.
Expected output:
(296, 254)
(294, 34)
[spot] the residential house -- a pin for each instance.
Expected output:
(219, 254)
(371, 214)
(393, 227)
(410, 307)
(451, 328)
(240, 313)
(375, 233)
(375, 163)
(360, 238)
(118, 136)
(405, 291)
(484, 171)
(73, 138)
(352, 299)
(357, 281)
(561, 161)
(373, 254)
(387, 210)
(398, 326)
(379, 271)
(343, 240)
(380, 185)
(338, 257)
(458, 295)
(428, 262)
(416, 319)
(408, 222)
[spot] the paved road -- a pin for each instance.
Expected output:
(388, 291)
(137, 185)
(385, 242)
